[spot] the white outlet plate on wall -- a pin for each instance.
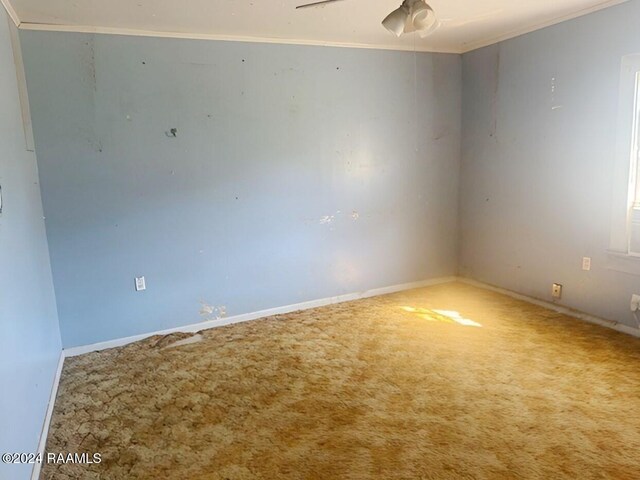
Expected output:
(556, 290)
(635, 303)
(586, 263)
(141, 284)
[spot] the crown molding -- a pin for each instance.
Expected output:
(468, 47)
(13, 15)
(226, 38)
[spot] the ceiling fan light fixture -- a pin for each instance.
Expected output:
(423, 18)
(396, 20)
(411, 16)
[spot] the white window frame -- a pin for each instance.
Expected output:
(635, 145)
(626, 168)
(634, 175)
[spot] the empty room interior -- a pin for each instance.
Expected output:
(343, 239)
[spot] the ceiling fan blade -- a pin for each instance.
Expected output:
(316, 4)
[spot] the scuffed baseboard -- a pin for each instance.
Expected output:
(620, 327)
(96, 347)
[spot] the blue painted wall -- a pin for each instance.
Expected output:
(29, 337)
(539, 150)
(296, 173)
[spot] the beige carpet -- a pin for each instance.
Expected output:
(446, 382)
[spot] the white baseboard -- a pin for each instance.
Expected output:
(620, 327)
(35, 473)
(196, 327)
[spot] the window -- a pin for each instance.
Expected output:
(624, 244)
(634, 213)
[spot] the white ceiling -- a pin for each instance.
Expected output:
(465, 24)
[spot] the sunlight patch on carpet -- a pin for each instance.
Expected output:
(443, 316)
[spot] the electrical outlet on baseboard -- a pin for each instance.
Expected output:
(556, 290)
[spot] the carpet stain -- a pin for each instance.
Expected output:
(445, 382)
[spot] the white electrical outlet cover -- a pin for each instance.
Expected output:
(140, 284)
(586, 264)
(635, 303)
